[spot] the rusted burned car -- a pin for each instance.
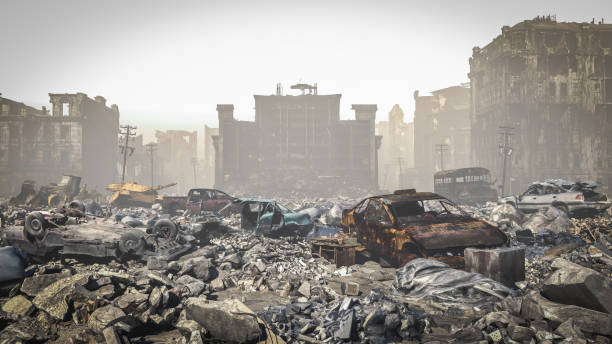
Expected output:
(197, 201)
(50, 233)
(268, 217)
(408, 224)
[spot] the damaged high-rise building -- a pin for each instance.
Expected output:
(78, 137)
(297, 142)
(550, 84)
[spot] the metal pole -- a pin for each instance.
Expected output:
(506, 150)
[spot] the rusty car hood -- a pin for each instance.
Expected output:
(440, 234)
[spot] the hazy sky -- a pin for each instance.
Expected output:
(168, 63)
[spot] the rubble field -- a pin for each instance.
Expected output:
(236, 287)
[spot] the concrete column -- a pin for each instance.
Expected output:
(225, 113)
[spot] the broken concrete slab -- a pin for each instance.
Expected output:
(103, 316)
(55, 299)
(18, 305)
(223, 319)
(536, 307)
(580, 286)
(31, 286)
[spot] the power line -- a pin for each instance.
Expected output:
(128, 131)
(441, 148)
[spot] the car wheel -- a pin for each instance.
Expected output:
(77, 205)
(35, 225)
(165, 228)
(562, 207)
(132, 243)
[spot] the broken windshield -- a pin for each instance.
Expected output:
(426, 209)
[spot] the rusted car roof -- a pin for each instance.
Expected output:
(408, 197)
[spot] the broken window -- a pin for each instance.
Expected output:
(376, 213)
(563, 89)
(65, 132)
(552, 89)
(64, 157)
(65, 109)
(5, 109)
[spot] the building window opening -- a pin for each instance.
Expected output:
(65, 109)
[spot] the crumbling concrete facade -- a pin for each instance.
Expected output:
(208, 164)
(552, 83)
(297, 143)
(396, 153)
(79, 137)
(177, 160)
(442, 118)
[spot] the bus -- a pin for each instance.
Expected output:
(469, 185)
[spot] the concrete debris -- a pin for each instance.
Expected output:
(238, 286)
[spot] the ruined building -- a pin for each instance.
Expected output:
(176, 160)
(79, 137)
(552, 83)
(207, 170)
(396, 153)
(297, 142)
(441, 132)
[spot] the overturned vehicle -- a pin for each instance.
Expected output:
(48, 233)
(268, 217)
(407, 224)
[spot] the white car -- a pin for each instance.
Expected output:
(572, 198)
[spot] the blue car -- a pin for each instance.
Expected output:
(268, 217)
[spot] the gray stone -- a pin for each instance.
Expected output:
(536, 307)
(155, 263)
(31, 286)
(573, 284)
(132, 302)
(156, 298)
(102, 317)
(55, 299)
(18, 305)
(189, 285)
(223, 320)
(520, 333)
(304, 289)
(187, 326)
(347, 326)
(569, 330)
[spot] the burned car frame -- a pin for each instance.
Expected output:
(48, 233)
(408, 224)
(268, 217)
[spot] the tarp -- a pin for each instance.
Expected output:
(423, 278)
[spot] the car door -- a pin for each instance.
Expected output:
(528, 201)
(377, 228)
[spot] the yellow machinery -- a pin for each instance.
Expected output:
(134, 194)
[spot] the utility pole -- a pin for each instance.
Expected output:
(441, 148)
(505, 149)
(128, 131)
(150, 149)
(194, 163)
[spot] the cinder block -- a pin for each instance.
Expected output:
(350, 288)
(505, 265)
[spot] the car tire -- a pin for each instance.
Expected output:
(562, 207)
(77, 205)
(35, 225)
(132, 243)
(165, 228)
